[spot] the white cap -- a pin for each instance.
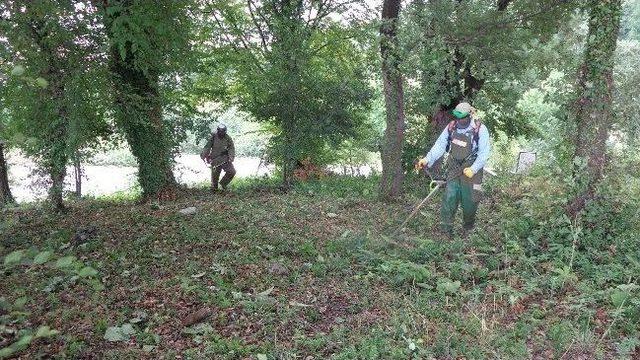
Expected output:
(464, 107)
(222, 127)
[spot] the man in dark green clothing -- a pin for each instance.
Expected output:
(220, 152)
(467, 142)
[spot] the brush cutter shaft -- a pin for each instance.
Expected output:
(438, 185)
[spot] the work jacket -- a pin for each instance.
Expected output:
(219, 150)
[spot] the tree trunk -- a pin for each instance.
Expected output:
(56, 192)
(593, 109)
(5, 191)
(292, 144)
(392, 172)
(77, 167)
(56, 156)
(139, 114)
(503, 4)
(54, 153)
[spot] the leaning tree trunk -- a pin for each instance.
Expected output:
(5, 191)
(392, 172)
(593, 109)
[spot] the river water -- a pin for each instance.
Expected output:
(27, 186)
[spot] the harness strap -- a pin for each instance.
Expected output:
(476, 132)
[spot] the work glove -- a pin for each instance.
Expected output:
(468, 172)
(421, 164)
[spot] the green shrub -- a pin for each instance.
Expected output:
(400, 272)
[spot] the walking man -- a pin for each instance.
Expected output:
(219, 152)
(467, 141)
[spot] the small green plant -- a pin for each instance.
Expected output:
(562, 277)
(560, 335)
(25, 338)
(448, 287)
(401, 272)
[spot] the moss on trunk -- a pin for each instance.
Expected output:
(593, 108)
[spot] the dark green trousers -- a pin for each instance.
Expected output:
(229, 173)
(458, 191)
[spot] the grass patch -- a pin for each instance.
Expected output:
(311, 271)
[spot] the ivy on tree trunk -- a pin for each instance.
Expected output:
(140, 117)
(392, 172)
(139, 110)
(593, 108)
(55, 153)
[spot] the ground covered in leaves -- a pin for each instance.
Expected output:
(312, 273)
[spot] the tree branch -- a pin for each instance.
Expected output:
(482, 29)
(326, 8)
(319, 48)
(263, 37)
(240, 36)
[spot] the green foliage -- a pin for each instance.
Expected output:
(224, 348)
(543, 108)
(560, 336)
(13, 258)
(42, 257)
(26, 338)
(462, 50)
(455, 51)
(149, 54)
(448, 287)
(529, 278)
(376, 346)
(13, 314)
(407, 273)
(303, 79)
(65, 262)
(119, 333)
(515, 286)
(627, 76)
(55, 98)
(339, 186)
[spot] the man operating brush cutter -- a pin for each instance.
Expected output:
(466, 140)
